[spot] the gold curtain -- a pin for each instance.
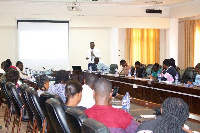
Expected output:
(189, 29)
(197, 42)
(142, 45)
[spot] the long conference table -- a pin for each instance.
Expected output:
(150, 95)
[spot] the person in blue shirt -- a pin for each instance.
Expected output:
(155, 72)
(100, 65)
(197, 77)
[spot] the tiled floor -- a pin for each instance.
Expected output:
(4, 129)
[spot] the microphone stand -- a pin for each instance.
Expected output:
(156, 109)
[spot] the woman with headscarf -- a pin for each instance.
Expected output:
(174, 113)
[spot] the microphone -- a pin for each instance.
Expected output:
(156, 109)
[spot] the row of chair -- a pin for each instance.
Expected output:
(48, 108)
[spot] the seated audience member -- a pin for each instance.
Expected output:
(117, 120)
(59, 86)
(12, 75)
(173, 62)
(156, 71)
(2, 67)
(197, 77)
(169, 72)
(73, 92)
(20, 68)
(100, 65)
(174, 113)
(7, 65)
(42, 83)
(125, 67)
(87, 93)
(139, 70)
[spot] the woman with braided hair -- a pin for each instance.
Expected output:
(174, 113)
(42, 83)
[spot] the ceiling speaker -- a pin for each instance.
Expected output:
(153, 11)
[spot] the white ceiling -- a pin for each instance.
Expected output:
(118, 2)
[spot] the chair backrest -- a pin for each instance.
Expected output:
(56, 113)
(189, 75)
(42, 99)
(24, 95)
(75, 118)
(16, 99)
(112, 68)
(6, 94)
(34, 102)
(148, 70)
(93, 126)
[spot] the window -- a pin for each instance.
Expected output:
(43, 44)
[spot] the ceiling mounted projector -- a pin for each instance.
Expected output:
(73, 7)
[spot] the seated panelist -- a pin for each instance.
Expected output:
(139, 70)
(197, 76)
(125, 67)
(155, 72)
(20, 68)
(169, 72)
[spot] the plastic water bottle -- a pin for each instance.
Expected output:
(102, 70)
(124, 103)
(116, 72)
(128, 104)
(129, 72)
(176, 79)
(135, 74)
(90, 69)
(159, 77)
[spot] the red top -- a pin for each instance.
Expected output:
(109, 116)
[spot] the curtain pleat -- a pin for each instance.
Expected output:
(189, 29)
(143, 45)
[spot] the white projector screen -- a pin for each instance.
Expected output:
(43, 44)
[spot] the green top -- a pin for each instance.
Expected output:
(155, 74)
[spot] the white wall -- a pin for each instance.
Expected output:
(162, 45)
(8, 47)
(173, 42)
(79, 43)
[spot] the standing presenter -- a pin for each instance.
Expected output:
(92, 53)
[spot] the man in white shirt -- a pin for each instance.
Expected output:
(20, 68)
(92, 53)
(87, 99)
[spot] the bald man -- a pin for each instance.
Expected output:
(117, 120)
